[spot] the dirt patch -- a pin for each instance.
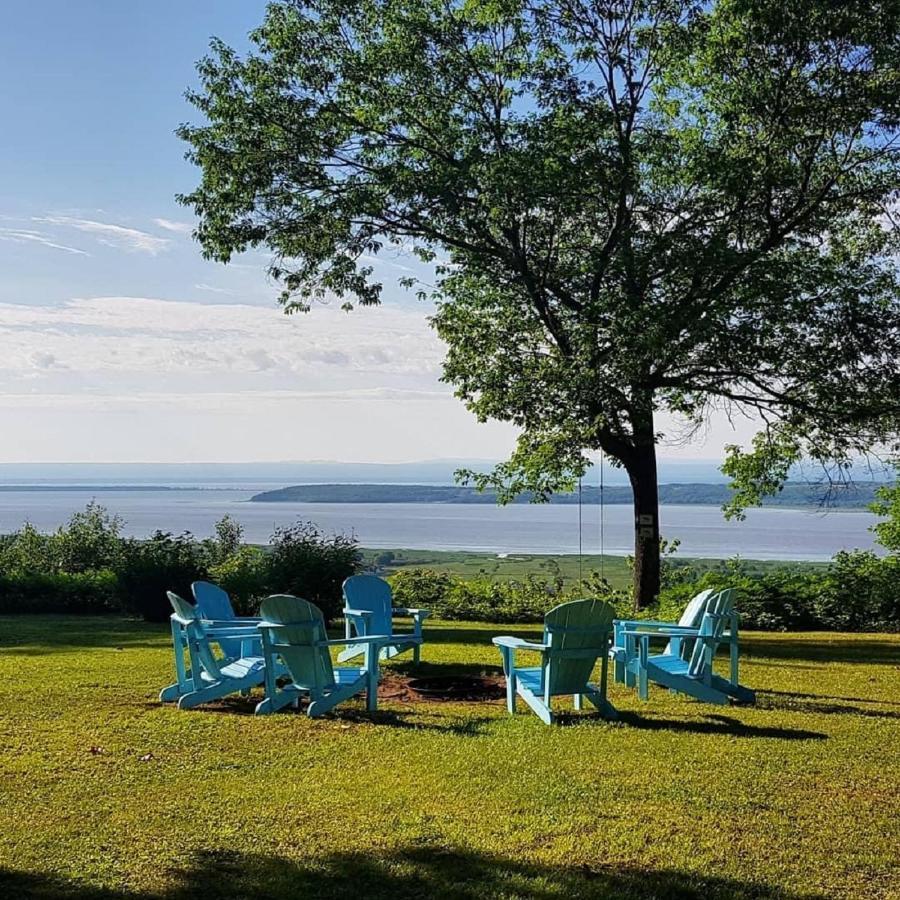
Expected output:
(441, 689)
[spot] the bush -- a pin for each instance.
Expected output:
(27, 551)
(89, 541)
(245, 576)
(861, 593)
(479, 599)
(94, 593)
(149, 568)
(305, 562)
(420, 589)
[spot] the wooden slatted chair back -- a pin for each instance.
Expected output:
(694, 611)
(715, 621)
(300, 625)
(372, 594)
(202, 656)
(212, 601)
(578, 634)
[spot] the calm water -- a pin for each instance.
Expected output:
(766, 534)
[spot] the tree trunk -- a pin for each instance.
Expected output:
(642, 473)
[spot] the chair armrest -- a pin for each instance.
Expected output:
(358, 613)
(514, 643)
(368, 639)
(667, 632)
(215, 634)
(644, 636)
(415, 613)
(242, 622)
(646, 623)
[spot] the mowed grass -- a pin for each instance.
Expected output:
(569, 566)
(105, 793)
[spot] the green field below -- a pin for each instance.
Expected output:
(108, 794)
(518, 565)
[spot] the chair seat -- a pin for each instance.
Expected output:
(665, 662)
(244, 667)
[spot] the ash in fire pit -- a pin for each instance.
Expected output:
(458, 687)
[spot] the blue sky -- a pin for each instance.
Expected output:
(117, 341)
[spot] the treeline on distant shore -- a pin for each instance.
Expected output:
(845, 496)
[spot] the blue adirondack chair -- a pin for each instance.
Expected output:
(680, 633)
(368, 609)
(208, 677)
(293, 631)
(691, 674)
(214, 605)
(576, 635)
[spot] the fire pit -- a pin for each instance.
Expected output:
(457, 687)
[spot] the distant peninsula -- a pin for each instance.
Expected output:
(856, 496)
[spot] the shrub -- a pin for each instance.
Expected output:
(861, 592)
(27, 551)
(479, 599)
(420, 589)
(149, 568)
(95, 593)
(245, 576)
(305, 562)
(90, 540)
(227, 542)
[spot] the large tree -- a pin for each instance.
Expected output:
(633, 207)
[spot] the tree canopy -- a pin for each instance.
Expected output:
(632, 206)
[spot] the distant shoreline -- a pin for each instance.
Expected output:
(797, 496)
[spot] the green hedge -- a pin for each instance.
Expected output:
(858, 591)
(87, 567)
(94, 593)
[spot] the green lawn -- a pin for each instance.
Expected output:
(796, 797)
(517, 565)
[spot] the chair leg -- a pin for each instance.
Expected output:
(579, 701)
(643, 685)
(417, 654)
(511, 693)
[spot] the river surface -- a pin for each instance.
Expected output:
(766, 534)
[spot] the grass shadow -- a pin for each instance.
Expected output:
(784, 702)
(823, 649)
(713, 723)
(430, 870)
(41, 635)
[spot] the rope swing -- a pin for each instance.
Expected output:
(581, 523)
(600, 466)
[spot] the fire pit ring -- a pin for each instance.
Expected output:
(457, 687)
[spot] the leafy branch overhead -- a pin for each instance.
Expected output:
(635, 206)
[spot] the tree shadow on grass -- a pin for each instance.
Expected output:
(42, 635)
(715, 723)
(868, 652)
(811, 703)
(431, 871)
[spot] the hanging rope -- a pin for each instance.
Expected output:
(600, 459)
(580, 545)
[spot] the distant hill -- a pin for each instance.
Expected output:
(433, 471)
(856, 496)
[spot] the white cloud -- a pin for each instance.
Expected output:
(145, 341)
(27, 235)
(111, 235)
(41, 360)
(212, 289)
(177, 227)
